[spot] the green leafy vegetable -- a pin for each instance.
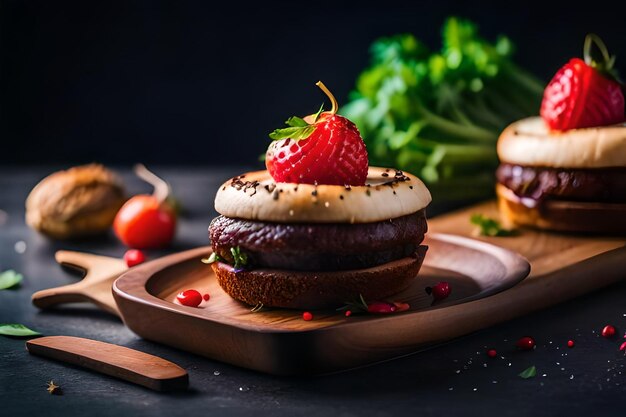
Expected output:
(10, 279)
(240, 259)
(528, 373)
(17, 330)
(438, 114)
(490, 227)
(213, 257)
(358, 305)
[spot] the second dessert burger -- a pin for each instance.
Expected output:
(319, 227)
(566, 170)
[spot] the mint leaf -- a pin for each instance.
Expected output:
(528, 372)
(295, 133)
(10, 279)
(17, 330)
(240, 259)
(490, 227)
(295, 121)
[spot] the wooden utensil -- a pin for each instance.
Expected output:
(95, 287)
(117, 361)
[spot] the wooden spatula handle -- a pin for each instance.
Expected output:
(114, 360)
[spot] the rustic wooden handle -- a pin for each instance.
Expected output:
(95, 287)
(114, 360)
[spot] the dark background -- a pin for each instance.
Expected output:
(188, 82)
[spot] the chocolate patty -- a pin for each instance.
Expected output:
(600, 185)
(319, 247)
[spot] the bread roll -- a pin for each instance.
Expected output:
(78, 202)
(387, 194)
(528, 142)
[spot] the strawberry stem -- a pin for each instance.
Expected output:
(333, 100)
(609, 60)
(161, 188)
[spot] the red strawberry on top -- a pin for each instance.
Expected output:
(584, 93)
(324, 148)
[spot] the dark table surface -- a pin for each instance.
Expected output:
(453, 379)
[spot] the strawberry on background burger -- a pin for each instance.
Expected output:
(320, 226)
(566, 170)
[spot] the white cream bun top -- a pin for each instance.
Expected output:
(529, 142)
(388, 194)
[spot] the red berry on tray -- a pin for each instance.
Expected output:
(381, 307)
(441, 291)
(525, 343)
(307, 316)
(492, 353)
(134, 257)
(324, 148)
(584, 93)
(608, 331)
(189, 298)
(570, 343)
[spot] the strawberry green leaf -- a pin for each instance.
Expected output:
(528, 373)
(295, 133)
(295, 121)
(10, 279)
(319, 112)
(17, 330)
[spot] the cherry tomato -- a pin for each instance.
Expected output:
(134, 257)
(191, 298)
(143, 223)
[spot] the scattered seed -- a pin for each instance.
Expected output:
(20, 247)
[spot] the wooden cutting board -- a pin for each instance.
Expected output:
(563, 266)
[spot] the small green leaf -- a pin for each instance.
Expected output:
(240, 259)
(10, 279)
(17, 330)
(295, 121)
(490, 227)
(528, 372)
(214, 257)
(295, 133)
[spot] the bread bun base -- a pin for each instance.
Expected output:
(562, 216)
(318, 290)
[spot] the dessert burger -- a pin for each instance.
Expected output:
(319, 227)
(566, 170)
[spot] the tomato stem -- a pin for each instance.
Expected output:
(161, 188)
(590, 40)
(333, 100)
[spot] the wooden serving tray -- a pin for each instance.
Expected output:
(279, 341)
